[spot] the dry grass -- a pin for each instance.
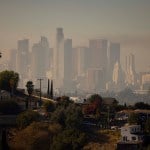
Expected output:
(106, 140)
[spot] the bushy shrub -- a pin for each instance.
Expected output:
(26, 118)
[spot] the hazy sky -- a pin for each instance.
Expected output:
(124, 21)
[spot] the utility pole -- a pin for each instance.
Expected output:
(40, 91)
(108, 117)
(48, 92)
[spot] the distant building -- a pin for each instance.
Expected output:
(124, 114)
(40, 58)
(23, 58)
(59, 59)
(130, 70)
(68, 70)
(113, 56)
(81, 61)
(40, 62)
(98, 49)
(117, 78)
(146, 81)
(95, 80)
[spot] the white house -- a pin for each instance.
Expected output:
(131, 133)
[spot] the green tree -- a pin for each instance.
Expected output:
(49, 106)
(95, 97)
(30, 88)
(69, 139)
(74, 117)
(26, 118)
(141, 105)
(9, 80)
(58, 116)
(68, 116)
(64, 101)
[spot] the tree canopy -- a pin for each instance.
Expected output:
(30, 87)
(9, 80)
(49, 106)
(141, 105)
(26, 118)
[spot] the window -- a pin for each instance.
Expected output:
(133, 138)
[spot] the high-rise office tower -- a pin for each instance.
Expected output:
(130, 70)
(46, 52)
(59, 59)
(68, 64)
(40, 61)
(113, 56)
(98, 53)
(81, 60)
(37, 62)
(23, 58)
(95, 80)
(98, 48)
(118, 77)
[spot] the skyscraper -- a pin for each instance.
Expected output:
(98, 48)
(118, 77)
(59, 59)
(40, 61)
(130, 70)
(45, 52)
(68, 68)
(82, 60)
(95, 80)
(98, 52)
(23, 57)
(113, 56)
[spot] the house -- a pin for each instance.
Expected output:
(131, 138)
(131, 133)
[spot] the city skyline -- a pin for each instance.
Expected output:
(96, 67)
(125, 22)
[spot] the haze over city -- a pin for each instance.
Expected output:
(75, 74)
(35, 26)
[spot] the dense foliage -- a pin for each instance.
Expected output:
(141, 105)
(9, 80)
(49, 106)
(69, 139)
(63, 132)
(26, 118)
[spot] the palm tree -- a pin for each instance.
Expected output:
(30, 88)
